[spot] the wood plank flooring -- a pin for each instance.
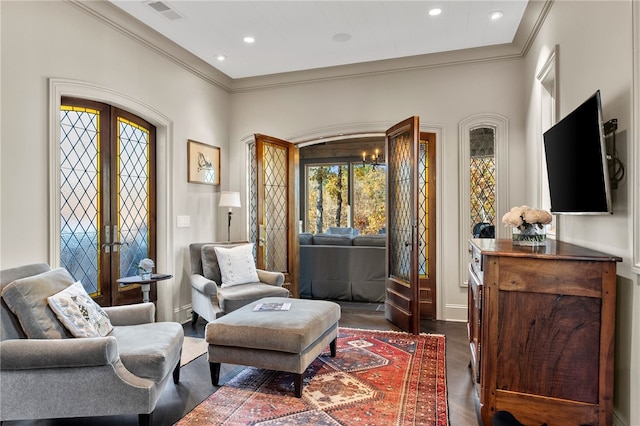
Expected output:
(195, 383)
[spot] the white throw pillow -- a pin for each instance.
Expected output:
(79, 313)
(237, 265)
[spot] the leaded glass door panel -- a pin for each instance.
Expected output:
(402, 305)
(427, 224)
(107, 197)
(133, 200)
(273, 171)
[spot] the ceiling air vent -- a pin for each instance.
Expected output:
(164, 10)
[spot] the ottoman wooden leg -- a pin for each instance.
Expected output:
(214, 367)
(332, 347)
(297, 384)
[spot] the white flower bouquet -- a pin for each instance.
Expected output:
(528, 225)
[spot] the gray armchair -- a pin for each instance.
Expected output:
(120, 374)
(209, 300)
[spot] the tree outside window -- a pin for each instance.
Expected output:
(329, 193)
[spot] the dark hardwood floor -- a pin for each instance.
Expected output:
(195, 384)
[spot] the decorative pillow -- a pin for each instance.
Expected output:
(79, 313)
(27, 299)
(334, 230)
(237, 265)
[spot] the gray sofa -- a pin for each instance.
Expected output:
(121, 373)
(343, 267)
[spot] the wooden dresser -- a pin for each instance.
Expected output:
(541, 331)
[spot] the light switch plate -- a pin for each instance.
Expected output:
(184, 221)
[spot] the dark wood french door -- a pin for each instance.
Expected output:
(402, 304)
(274, 207)
(108, 197)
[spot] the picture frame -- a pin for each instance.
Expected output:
(203, 163)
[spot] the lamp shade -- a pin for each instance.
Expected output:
(229, 199)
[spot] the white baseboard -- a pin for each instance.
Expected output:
(182, 314)
(457, 313)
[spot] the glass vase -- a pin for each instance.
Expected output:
(531, 235)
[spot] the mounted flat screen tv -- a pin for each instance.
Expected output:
(577, 162)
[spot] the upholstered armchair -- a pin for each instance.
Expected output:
(211, 297)
(53, 374)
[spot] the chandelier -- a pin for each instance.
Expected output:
(373, 159)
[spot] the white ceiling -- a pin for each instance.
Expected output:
(299, 35)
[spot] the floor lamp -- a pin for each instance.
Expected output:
(229, 199)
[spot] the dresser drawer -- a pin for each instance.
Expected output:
(475, 263)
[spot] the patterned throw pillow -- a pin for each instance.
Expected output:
(79, 313)
(237, 265)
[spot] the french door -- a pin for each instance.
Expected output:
(402, 304)
(108, 199)
(273, 207)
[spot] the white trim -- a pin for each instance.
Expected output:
(456, 313)
(635, 139)
(164, 189)
(548, 116)
(500, 125)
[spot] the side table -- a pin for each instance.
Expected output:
(145, 284)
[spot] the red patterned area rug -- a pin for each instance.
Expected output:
(377, 378)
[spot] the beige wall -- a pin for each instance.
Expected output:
(595, 53)
(440, 96)
(43, 40)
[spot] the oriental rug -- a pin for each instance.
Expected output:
(377, 378)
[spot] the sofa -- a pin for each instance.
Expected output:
(343, 267)
(52, 374)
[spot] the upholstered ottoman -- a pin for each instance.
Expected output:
(276, 340)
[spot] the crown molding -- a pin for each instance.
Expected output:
(120, 21)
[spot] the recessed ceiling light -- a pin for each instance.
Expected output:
(495, 15)
(341, 37)
(221, 57)
(435, 11)
(249, 39)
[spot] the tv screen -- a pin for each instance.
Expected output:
(577, 163)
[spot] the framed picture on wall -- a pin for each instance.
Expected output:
(203, 163)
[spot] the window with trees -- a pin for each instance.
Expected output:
(482, 176)
(345, 195)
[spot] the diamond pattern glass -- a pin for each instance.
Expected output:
(400, 174)
(253, 198)
(275, 208)
(79, 189)
(482, 175)
(133, 195)
(423, 208)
